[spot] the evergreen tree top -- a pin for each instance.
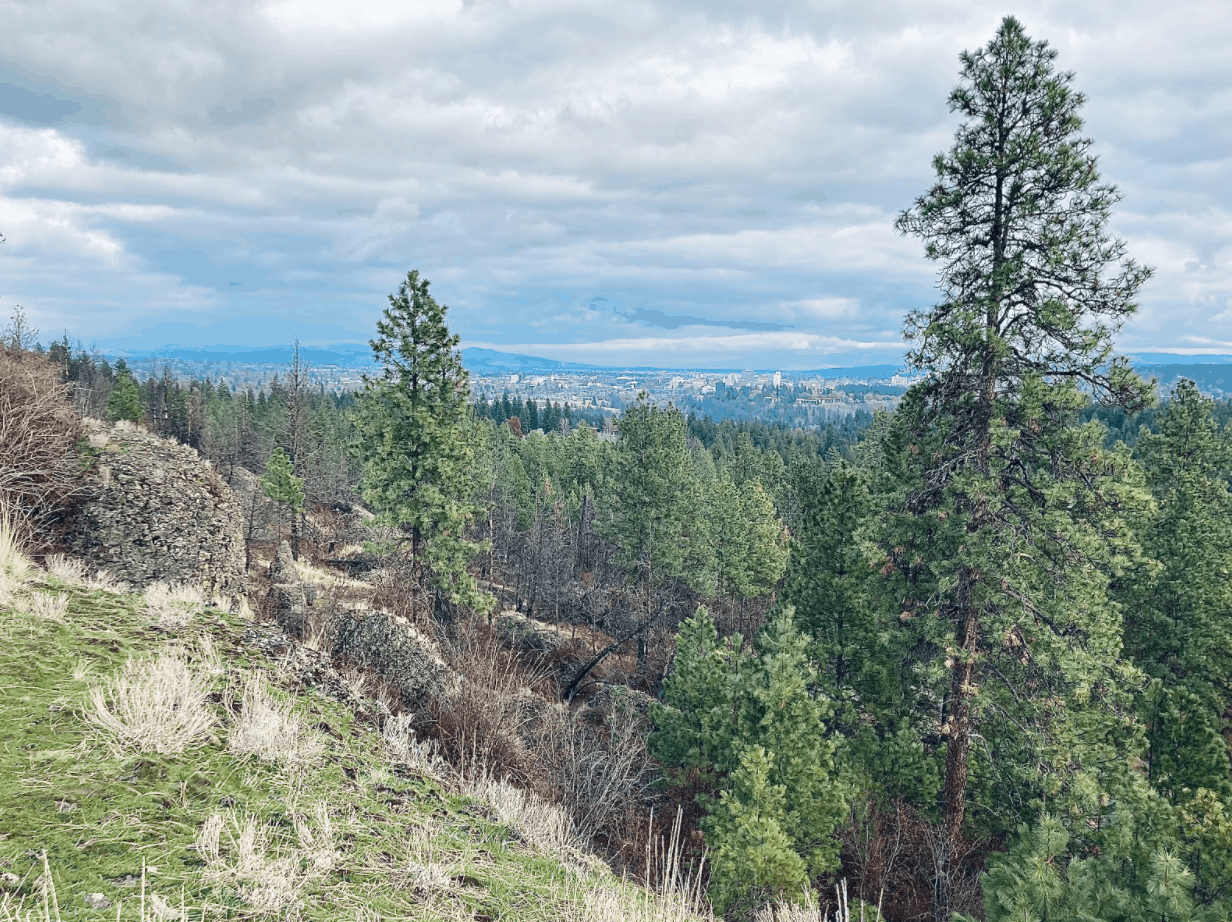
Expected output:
(1033, 284)
(415, 346)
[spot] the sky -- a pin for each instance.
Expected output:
(645, 182)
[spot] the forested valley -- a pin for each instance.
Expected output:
(969, 660)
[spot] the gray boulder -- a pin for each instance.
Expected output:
(158, 511)
(397, 651)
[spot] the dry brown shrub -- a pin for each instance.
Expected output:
(40, 472)
(890, 856)
(485, 719)
(601, 775)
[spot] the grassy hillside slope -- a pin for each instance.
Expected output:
(278, 800)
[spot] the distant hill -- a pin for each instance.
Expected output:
(490, 362)
(345, 354)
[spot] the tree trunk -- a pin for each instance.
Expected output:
(959, 725)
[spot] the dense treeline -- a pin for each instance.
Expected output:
(531, 416)
(975, 656)
(997, 680)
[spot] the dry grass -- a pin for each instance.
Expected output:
(422, 755)
(154, 705)
(808, 911)
(541, 823)
(315, 576)
(103, 581)
(602, 904)
(238, 849)
(268, 728)
(65, 568)
(172, 607)
(47, 606)
(14, 565)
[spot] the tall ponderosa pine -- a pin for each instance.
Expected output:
(656, 508)
(1000, 552)
(415, 443)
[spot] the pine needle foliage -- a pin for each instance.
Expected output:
(415, 444)
(1011, 522)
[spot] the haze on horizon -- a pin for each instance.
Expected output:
(650, 183)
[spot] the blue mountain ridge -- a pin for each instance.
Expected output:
(482, 361)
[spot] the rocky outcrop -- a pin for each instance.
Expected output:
(530, 636)
(393, 648)
(159, 511)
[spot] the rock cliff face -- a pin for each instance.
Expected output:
(400, 654)
(159, 512)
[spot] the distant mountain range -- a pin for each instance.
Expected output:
(1206, 370)
(345, 354)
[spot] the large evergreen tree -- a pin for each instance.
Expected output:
(656, 512)
(415, 443)
(999, 555)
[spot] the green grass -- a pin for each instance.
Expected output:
(404, 845)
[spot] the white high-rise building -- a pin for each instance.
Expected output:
(778, 378)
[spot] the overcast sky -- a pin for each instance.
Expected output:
(634, 182)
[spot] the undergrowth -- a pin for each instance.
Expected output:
(147, 776)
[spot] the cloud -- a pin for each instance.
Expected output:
(711, 171)
(657, 318)
(250, 110)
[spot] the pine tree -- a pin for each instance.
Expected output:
(757, 724)
(1177, 614)
(827, 574)
(1001, 550)
(281, 485)
(415, 444)
(750, 551)
(125, 402)
(655, 514)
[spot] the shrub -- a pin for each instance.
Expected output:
(267, 728)
(153, 705)
(40, 472)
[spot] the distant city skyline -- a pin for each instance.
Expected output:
(665, 184)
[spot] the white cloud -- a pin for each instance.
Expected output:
(698, 159)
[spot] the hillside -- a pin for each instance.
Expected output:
(163, 758)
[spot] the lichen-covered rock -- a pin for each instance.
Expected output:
(529, 635)
(159, 511)
(393, 648)
(282, 567)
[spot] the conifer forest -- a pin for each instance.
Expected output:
(973, 658)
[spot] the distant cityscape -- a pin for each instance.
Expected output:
(794, 399)
(797, 399)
